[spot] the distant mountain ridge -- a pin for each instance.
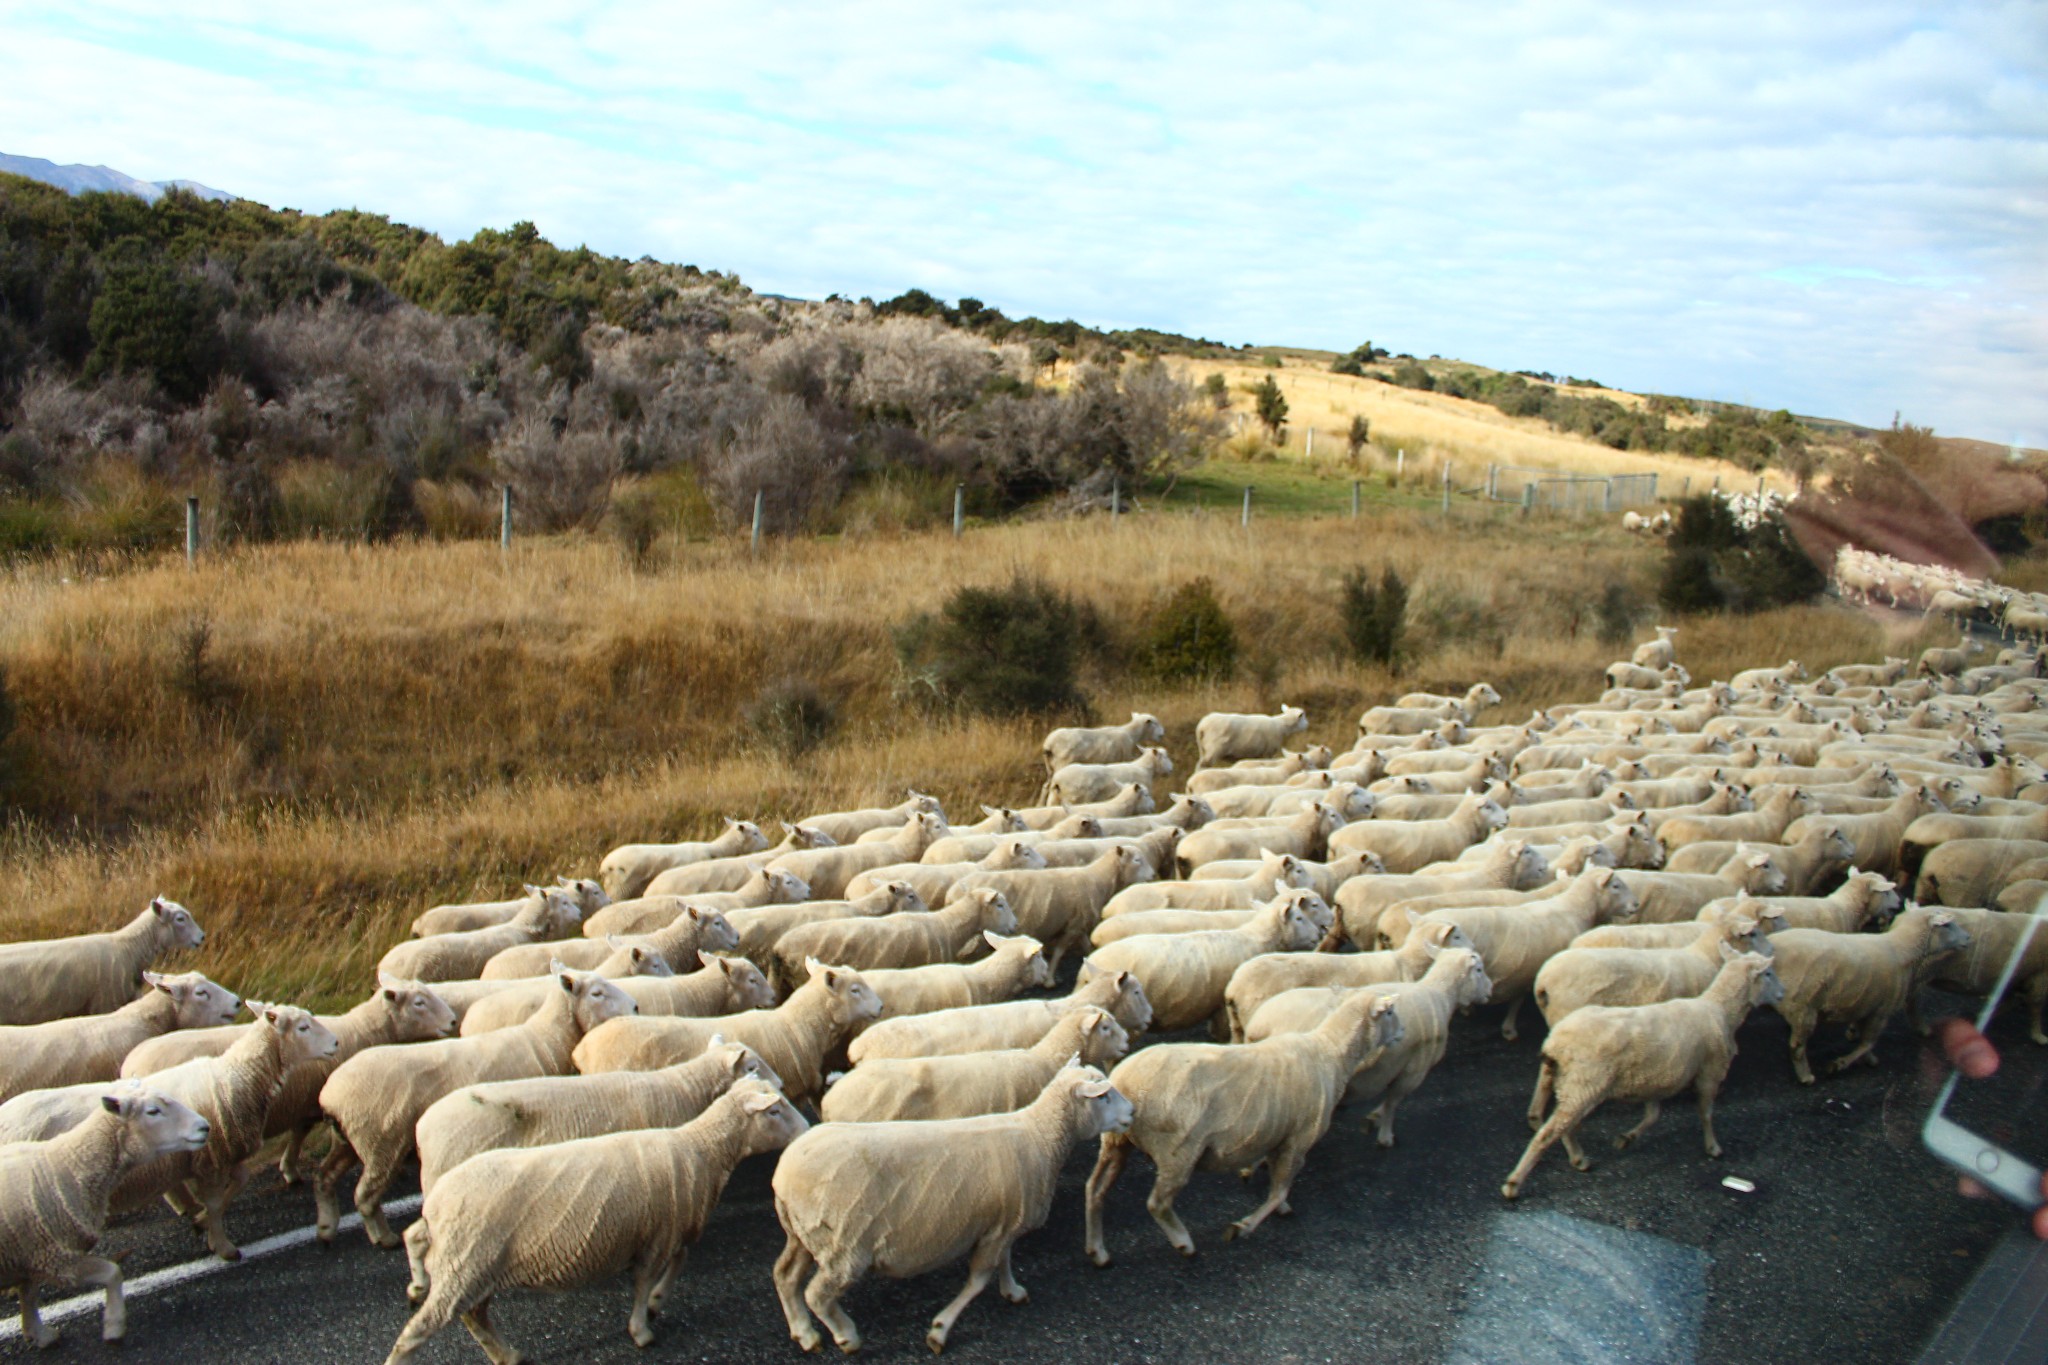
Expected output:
(76, 179)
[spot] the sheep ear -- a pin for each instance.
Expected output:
(757, 1104)
(155, 979)
(1728, 952)
(1091, 1090)
(270, 1014)
(717, 1040)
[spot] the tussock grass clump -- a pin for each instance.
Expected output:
(1191, 638)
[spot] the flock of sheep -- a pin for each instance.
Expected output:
(1864, 576)
(867, 996)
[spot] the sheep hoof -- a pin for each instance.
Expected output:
(1621, 1143)
(1286, 1210)
(1102, 1259)
(1582, 1163)
(1714, 1151)
(1510, 1190)
(1231, 1233)
(1385, 1140)
(808, 1339)
(1022, 1295)
(642, 1337)
(231, 1255)
(936, 1339)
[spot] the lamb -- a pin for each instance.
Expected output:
(1228, 1107)
(827, 870)
(1858, 979)
(642, 1200)
(1272, 974)
(1186, 811)
(794, 1038)
(656, 911)
(550, 1109)
(951, 934)
(1642, 1052)
(1766, 823)
(1975, 871)
(627, 869)
(845, 827)
(761, 929)
(454, 957)
(1185, 975)
(1624, 675)
(90, 1047)
(691, 932)
(1016, 964)
(1994, 937)
(1224, 737)
(1821, 854)
(727, 985)
(1406, 846)
(376, 1096)
(454, 919)
(1274, 872)
(1306, 836)
(1642, 974)
(1658, 653)
(1102, 743)
(53, 1198)
(1081, 782)
(904, 1198)
(1511, 865)
(1060, 907)
(887, 1089)
(231, 1092)
(1515, 941)
(1946, 663)
(1456, 980)
(994, 1028)
(91, 973)
(1668, 897)
(1791, 671)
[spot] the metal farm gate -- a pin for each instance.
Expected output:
(1549, 489)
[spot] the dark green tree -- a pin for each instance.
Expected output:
(1272, 404)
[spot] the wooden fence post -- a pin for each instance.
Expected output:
(1245, 519)
(191, 532)
(959, 509)
(505, 517)
(755, 547)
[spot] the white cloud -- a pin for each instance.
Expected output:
(1836, 209)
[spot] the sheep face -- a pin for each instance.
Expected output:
(1492, 814)
(199, 1002)
(786, 888)
(588, 893)
(714, 932)
(1764, 875)
(596, 999)
(1944, 935)
(748, 986)
(904, 897)
(175, 924)
(1106, 1109)
(1198, 811)
(772, 1121)
(1355, 802)
(1613, 897)
(743, 1063)
(1103, 1040)
(1131, 868)
(416, 1012)
(854, 1002)
(1037, 971)
(156, 1123)
(302, 1037)
(1385, 1024)
(807, 836)
(751, 838)
(1150, 731)
(926, 805)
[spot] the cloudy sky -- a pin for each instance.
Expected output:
(1841, 209)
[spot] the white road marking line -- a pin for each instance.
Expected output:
(65, 1309)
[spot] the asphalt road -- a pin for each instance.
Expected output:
(1852, 1247)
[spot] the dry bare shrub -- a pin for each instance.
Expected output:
(455, 511)
(917, 371)
(780, 450)
(558, 479)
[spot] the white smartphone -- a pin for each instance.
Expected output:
(1996, 1130)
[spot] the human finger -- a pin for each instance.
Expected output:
(1969, 1051)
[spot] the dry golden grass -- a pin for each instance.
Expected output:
(1434, 427)
(374, 730)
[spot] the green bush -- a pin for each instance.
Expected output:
(1714, 563)
(1272, 404)
(1375, 615)
(792, 717)
(1620, 605)
(1190, 639)
(636, 519)
(998, 651)
(1410, 374)
(1355, 439)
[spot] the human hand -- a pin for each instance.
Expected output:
(1971, 1053)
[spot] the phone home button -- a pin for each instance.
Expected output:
(1987, 1160)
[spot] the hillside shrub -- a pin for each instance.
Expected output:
(1013, 650)
(1190, 639)
(1356, 438)
(1272, 404)
(792, 717)
(1620, 605)
(1714, 563)
(1375, 615)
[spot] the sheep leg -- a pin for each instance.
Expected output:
(33, 1328)
(1802, 1023)
(646, 1272)
(1400, 1090)
(1546, 1086)
(791, 1267)
(478, 1321)
(659, 1295)
(988, 1255)
(1708, 1089)
(1508, 1030)
(1284, 1165)
(1650, 1112)
(378, 1170)
(327, 1203)
(215, 1198)
(99, 1273)
(1867, 1033)
(2037, 999)
(1512, 1187)
(418, 1240)
(823, 1294)
(1116, 1150)
(1913, 1016)
(1006, 1280)
(289, 1161)
(1173, 1177)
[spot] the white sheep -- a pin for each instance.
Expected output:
(1078, 783)
(827, 870)
(1861, 980)
(994, 1028)
(794, 1038)
(1645, 1053)
(1015, 964)
(1230, 1106)
(1252, 887)
(726, 985)
(1271, 974)
(1306, 835)
(454, 919)
(1995, 936)
(1101, 743)
(53, 1199)
(456, 957)
(1864, 900)
(885, 1089)
(1821, 854)
(691, 932)
(952, 933)
(91, 1047)
(901, 1199)
(1224, 737)
(1456, 981)
(1409, 845)
(549, 1109)
(1061, 906)
(524, 995)
(932, 880)
(1478, 697)
(1668, 897)
(1185, 975)
(627, 869)
(49, 979)
(727, 876)
(657, 910)
(1974, 871)
(641, 1200)
(1658, 653)
(846, 826)
(376, 1096)
(1394, 721)
(762, 928)
(1642, 974)
(1512, 864)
